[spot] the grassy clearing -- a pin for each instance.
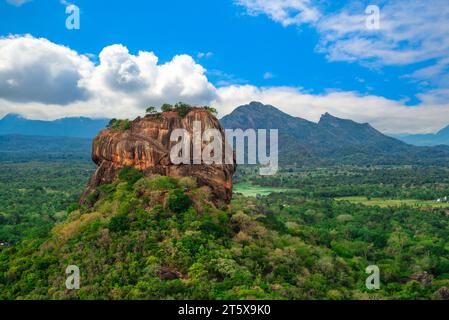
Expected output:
(249, 190)
(394, 202)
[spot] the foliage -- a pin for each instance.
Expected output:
(178, 202)
(119, 125)
(166, 107)
(182, 108)
(297, 240)
(211, 110)
(151, 111)
(119, 223)
(17, 150)
(129, 175)
(142, 241)
(35, 195)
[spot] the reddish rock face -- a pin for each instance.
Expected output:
(146, 147)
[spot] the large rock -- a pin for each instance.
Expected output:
(146, 146)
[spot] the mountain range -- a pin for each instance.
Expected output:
(65, 127)
(431, 139)
(330, 141)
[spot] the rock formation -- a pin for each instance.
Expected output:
(145, 145)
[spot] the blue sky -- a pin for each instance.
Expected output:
(278, 51)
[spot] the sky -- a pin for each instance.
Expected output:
(305, 57)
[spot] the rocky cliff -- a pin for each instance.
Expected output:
(145, 145)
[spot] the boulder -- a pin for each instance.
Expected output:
(145, 145)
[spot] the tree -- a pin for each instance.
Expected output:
(151, 110)
(182, 108)
(112, 122)
(119, 125)
(166, 107)
(211, 110)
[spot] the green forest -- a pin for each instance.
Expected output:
(161, 238)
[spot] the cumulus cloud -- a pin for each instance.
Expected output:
(43, 80)
(38, 70)
(411, 31)
(140, 78)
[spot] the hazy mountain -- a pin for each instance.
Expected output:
(432, 139)
(21, 148)
(331, 140)
(66, 127)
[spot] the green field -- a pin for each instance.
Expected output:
(249, 190)
(394, 202)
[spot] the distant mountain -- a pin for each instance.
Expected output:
(19, 148)
(332, 140)
(433, 139)
(66, 127)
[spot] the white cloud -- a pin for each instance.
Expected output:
(202, 55)
(38, 70)
(121, 73)
(286, 12)
(40, 79)
(268, 75)
(17, 3)
(411, 31)
(386, 115)
(124, 84)
(225, 79)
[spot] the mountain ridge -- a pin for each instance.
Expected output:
(76, 127)
(329, 141)
(332, 140)
(441, 137)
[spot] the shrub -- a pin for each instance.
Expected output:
(107, 189)
(72, 207)
(111, 123)
(187, 183)
(130, 175)
(119, 223)
(92, 198)
(162, 183)
(119, 125)
(178, 202)
(155, 183)
(211, 110)
(126, 124)
(182, 108)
